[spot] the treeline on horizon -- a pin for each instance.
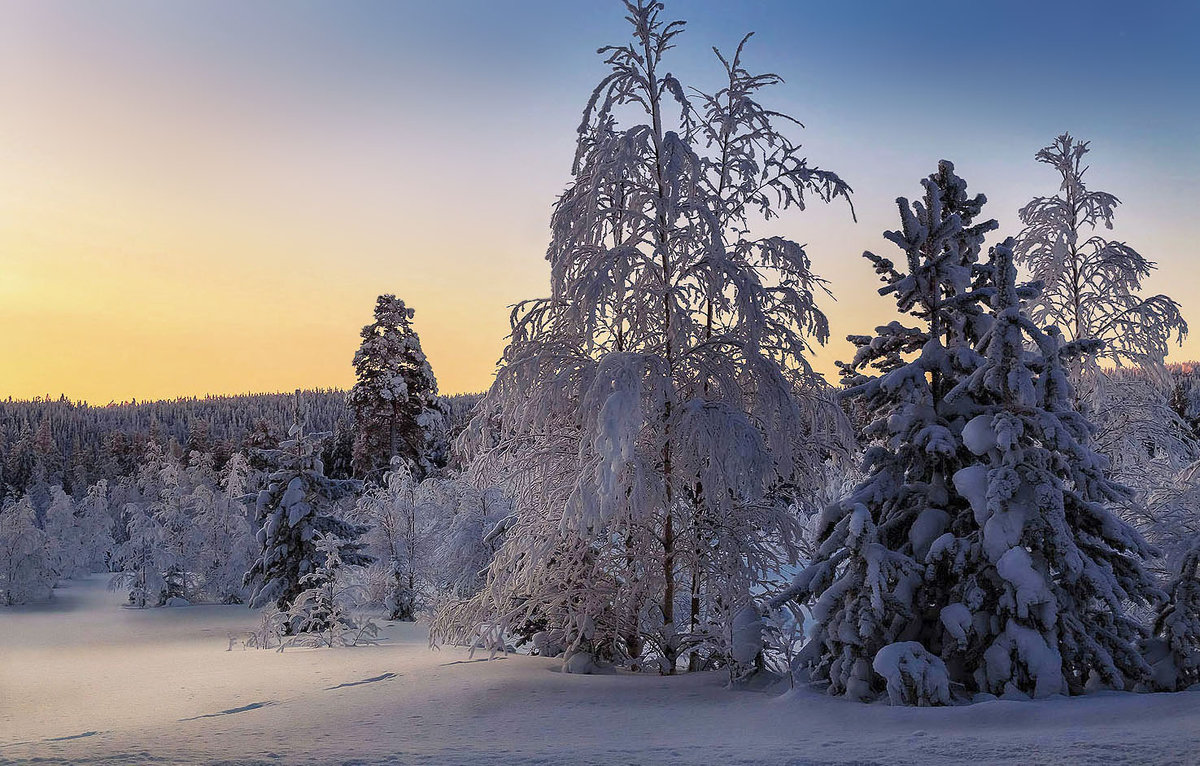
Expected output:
(46, 441)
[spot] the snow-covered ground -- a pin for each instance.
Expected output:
(83, 680)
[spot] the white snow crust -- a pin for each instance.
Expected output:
(85, 681)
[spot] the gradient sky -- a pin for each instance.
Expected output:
(207, 197)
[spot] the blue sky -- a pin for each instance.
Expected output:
(186, 174)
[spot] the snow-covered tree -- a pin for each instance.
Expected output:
(399, 538)
(1047, 576)
(651, 416)
(68, 548)
(432, 540)
(1177, 627)
(394, 399)
(173, 514)
(96, 525)
(225, 543)
(1091, 284)
(290, 511)
(866, 579)
(1146, 441)
(1171, 518)
(470, 525)
(26, 568)
(225, 539)
(984, 535)
(320, 614)
(1092, 290)
(138, 561)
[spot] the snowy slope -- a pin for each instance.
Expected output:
(85, 681)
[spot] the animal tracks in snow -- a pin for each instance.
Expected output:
(246, 708)
(232, 711)
(72, 736)
(372, 680)
(52, 739)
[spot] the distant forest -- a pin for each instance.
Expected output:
(46, 442)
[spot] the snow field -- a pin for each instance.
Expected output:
(85, 681)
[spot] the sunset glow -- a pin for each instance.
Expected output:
(207, 198)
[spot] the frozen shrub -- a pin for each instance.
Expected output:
(914, 676)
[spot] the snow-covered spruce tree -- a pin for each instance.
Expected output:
(1177, 628)
(290, 511)
(1091, 284)
(867, 579)
(1045, 577)
(26, 568)
(395, 401)
(652, 414)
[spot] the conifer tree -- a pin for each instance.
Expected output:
(867, 577)
(295, 506)
(394, 400)
(1177, 626)
(981, 551)
(1046, 577)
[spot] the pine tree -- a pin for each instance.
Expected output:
(1091, 284)
(290, 511)
(652, 414)
(867, 577)
(395, 401)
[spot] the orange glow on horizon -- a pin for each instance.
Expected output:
(194, 206)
